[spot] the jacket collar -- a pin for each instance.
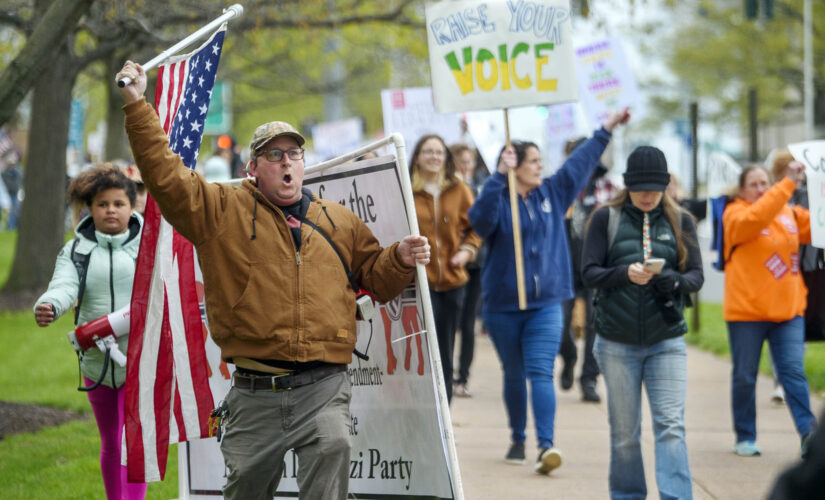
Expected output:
(86, 229)
(637, 214)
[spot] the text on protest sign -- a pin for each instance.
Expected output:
(812, 154)
(497, 54)
(606, 84)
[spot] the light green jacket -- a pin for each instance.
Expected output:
(109, 279)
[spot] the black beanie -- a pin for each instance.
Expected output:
(646, 170)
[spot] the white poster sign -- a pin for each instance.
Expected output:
(723, 174)
(332, 139)
(411, 113)
(812, 154)
(606, 84)
(397, 446)
(500, 54)
(546, 126)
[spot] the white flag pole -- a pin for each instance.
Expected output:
(230, 12)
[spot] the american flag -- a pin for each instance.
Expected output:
(167, 397)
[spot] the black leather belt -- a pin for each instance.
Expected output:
(286, 382)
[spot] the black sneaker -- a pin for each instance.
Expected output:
(589, 393)
(567, 376)
(549, 459)
(515, 455)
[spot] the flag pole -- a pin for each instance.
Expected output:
(511, 181)
(230, 12)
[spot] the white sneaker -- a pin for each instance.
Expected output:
(778, 396)
(549, 459)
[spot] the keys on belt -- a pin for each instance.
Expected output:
(217, 420)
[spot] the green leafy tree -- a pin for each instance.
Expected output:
(717, 54)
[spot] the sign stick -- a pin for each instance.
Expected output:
(511, 181)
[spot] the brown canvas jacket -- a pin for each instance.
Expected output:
(446, 231)
(264, 300)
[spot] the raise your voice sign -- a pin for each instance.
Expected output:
(500, 54)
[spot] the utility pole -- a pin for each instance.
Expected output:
(752, 123)
(808, 70)
(752, 13)
(334, 100)
(694, 146)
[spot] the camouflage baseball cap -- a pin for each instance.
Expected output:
(264, 133)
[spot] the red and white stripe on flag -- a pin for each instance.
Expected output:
(167, 397)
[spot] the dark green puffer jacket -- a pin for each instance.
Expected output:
(627, 312)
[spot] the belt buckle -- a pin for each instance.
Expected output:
(275, 377)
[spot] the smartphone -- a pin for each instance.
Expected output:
(654, 265)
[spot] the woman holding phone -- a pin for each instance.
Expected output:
(642, 256)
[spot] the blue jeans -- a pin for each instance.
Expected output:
(527, 343)
(662, 368)
(787, 344)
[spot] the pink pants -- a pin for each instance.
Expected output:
(107, 405)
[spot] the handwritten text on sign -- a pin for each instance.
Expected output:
(496, 54)
(812, 154)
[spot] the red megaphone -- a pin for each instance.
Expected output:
(85, 336)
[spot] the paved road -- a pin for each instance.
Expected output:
(482, 439)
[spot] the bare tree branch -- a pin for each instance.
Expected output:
(52, 30)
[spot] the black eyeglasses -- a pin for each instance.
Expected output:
(273, 155)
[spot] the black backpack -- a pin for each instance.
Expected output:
(815, 312)
(81, 264)
(717, 242)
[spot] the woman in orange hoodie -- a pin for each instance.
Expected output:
(442, 200)
(765, 297)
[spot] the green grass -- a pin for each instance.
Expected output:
(40, 367)
(713, 336)
(8, 239)
(62, 462)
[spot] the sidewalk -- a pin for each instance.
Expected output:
(482, 439)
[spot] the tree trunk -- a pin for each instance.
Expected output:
(24, 71)
(117, 144)
(42, 214)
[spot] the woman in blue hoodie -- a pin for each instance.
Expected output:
(527, 341)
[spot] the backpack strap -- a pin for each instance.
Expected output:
(81, 264)
(614, 215)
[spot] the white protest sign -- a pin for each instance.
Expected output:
(812, 154)
(398, 450)
(331, 139)
(548, 127)
(500, 54)
(606, 83)
(411, 113)
(723, 174)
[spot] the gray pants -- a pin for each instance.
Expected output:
(263, 425)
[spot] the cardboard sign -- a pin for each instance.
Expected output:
(500, 54)
(333, 139)
(723, 174)
(812, 154)
(411, 113)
